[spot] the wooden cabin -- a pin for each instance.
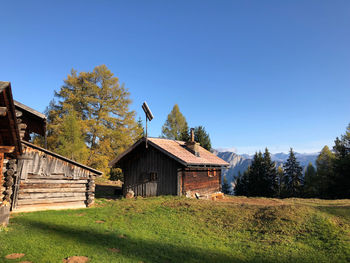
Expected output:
(156, 166)
(31, 177)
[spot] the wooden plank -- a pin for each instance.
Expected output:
(48, 181)
(3, 111)
(50, 201)
(54, 206)
(7, 149)
(25, 185)
(53, 190)
(50, 177)
(35, 196)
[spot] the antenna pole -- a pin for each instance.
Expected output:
(146, 132)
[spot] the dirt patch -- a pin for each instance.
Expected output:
(122, 236)
(251, 201)
(25, 262)
(100, 222)
(81, 214)
(114, 250)
(76, 259)
(15, 256)
(176, 204)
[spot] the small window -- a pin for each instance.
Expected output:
(211, 172)
(142, 177)
(153, 176)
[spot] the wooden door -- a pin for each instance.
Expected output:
(151, 188)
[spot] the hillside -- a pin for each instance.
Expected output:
(172, 229)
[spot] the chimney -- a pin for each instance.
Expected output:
(193, 146)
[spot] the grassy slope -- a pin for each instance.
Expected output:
(169, 229)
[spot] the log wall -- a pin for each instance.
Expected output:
(48, 182)
(7, 178)
(202, 181)
(149, 172)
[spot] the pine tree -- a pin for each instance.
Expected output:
(341, 186)
(270, 180)
(280, 182)
(293, 175)
(256, 177)
(102, 106)
(175, 126)
(201, 136)
(242, 184)
(226, 187)
(70, 139)
(185, 134)
(325, 172)
(141, 129)
(311, 182)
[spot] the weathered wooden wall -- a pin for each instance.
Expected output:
(204, 181)
(137, 167)
(48, 182)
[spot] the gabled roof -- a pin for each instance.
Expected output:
(62, 157)
(35, 121)
(177, 151)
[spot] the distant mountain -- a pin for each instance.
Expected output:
(240, 162)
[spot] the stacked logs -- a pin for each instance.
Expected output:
(9, 177)
(90, 191)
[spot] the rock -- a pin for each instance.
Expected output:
(130, 194)
(15, 256)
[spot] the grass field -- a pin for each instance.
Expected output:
(171, 229)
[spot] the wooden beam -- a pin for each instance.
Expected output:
(3, 111)
(7, 149)
(1, 166)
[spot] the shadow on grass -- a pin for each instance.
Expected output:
(108, 191)
(339, 211)
(137, 249)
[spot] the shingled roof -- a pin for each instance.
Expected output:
(178, 151)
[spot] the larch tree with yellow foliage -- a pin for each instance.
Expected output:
(101, 105)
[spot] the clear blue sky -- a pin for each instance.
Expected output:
(254, 73)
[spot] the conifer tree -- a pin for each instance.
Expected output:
(141, 129)
(102, 106)
(242, 184)
(325, 172)
(280, 182)
(293, 175)
(311, 182)
(256, 177)
(226, 187)
(70, 139)
(270, 177)
(175, 126)
(201, 136)
(185, 134)
(341, 186)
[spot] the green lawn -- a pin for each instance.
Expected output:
(170, 229)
